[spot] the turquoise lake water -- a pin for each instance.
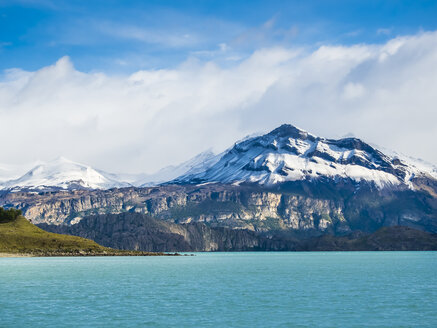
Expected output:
(345, 289)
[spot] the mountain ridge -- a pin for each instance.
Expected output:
(289, 154)
(284, 154)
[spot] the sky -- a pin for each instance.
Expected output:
(133, 86)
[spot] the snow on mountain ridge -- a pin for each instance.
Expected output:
(289, 154)
(419, 164)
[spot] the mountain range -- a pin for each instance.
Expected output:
(286, 186)
(64, 174)
(283, 155)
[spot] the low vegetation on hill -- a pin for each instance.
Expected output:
(19, 236)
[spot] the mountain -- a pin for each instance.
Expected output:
(286, 181)
(284, 155)
(62, 174)
(291, 154)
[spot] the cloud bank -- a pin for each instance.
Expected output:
(385, 94)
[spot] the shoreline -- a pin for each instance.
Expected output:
(128, 253)
(4, 254)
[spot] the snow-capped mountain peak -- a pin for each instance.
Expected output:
(62, 173)
(289, 154)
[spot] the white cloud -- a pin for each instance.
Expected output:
(384, 31)
(385, 94)
(353, 90)
(167, 38)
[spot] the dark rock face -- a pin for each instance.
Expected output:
(385, 239)
(133, 231)
(290, 131)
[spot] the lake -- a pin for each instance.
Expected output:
(265, 289)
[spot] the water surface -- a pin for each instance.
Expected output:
(345, 289)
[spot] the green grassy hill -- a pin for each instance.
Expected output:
(19, 236)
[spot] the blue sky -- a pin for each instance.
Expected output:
(157, 82)
(124, 36)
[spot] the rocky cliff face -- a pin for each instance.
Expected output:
(134, 231)
(302, 207)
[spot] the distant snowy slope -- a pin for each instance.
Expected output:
(9, 172)
(62, 174)
(289, 154)
(418, 164)
(68, 175)
(195, 165)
